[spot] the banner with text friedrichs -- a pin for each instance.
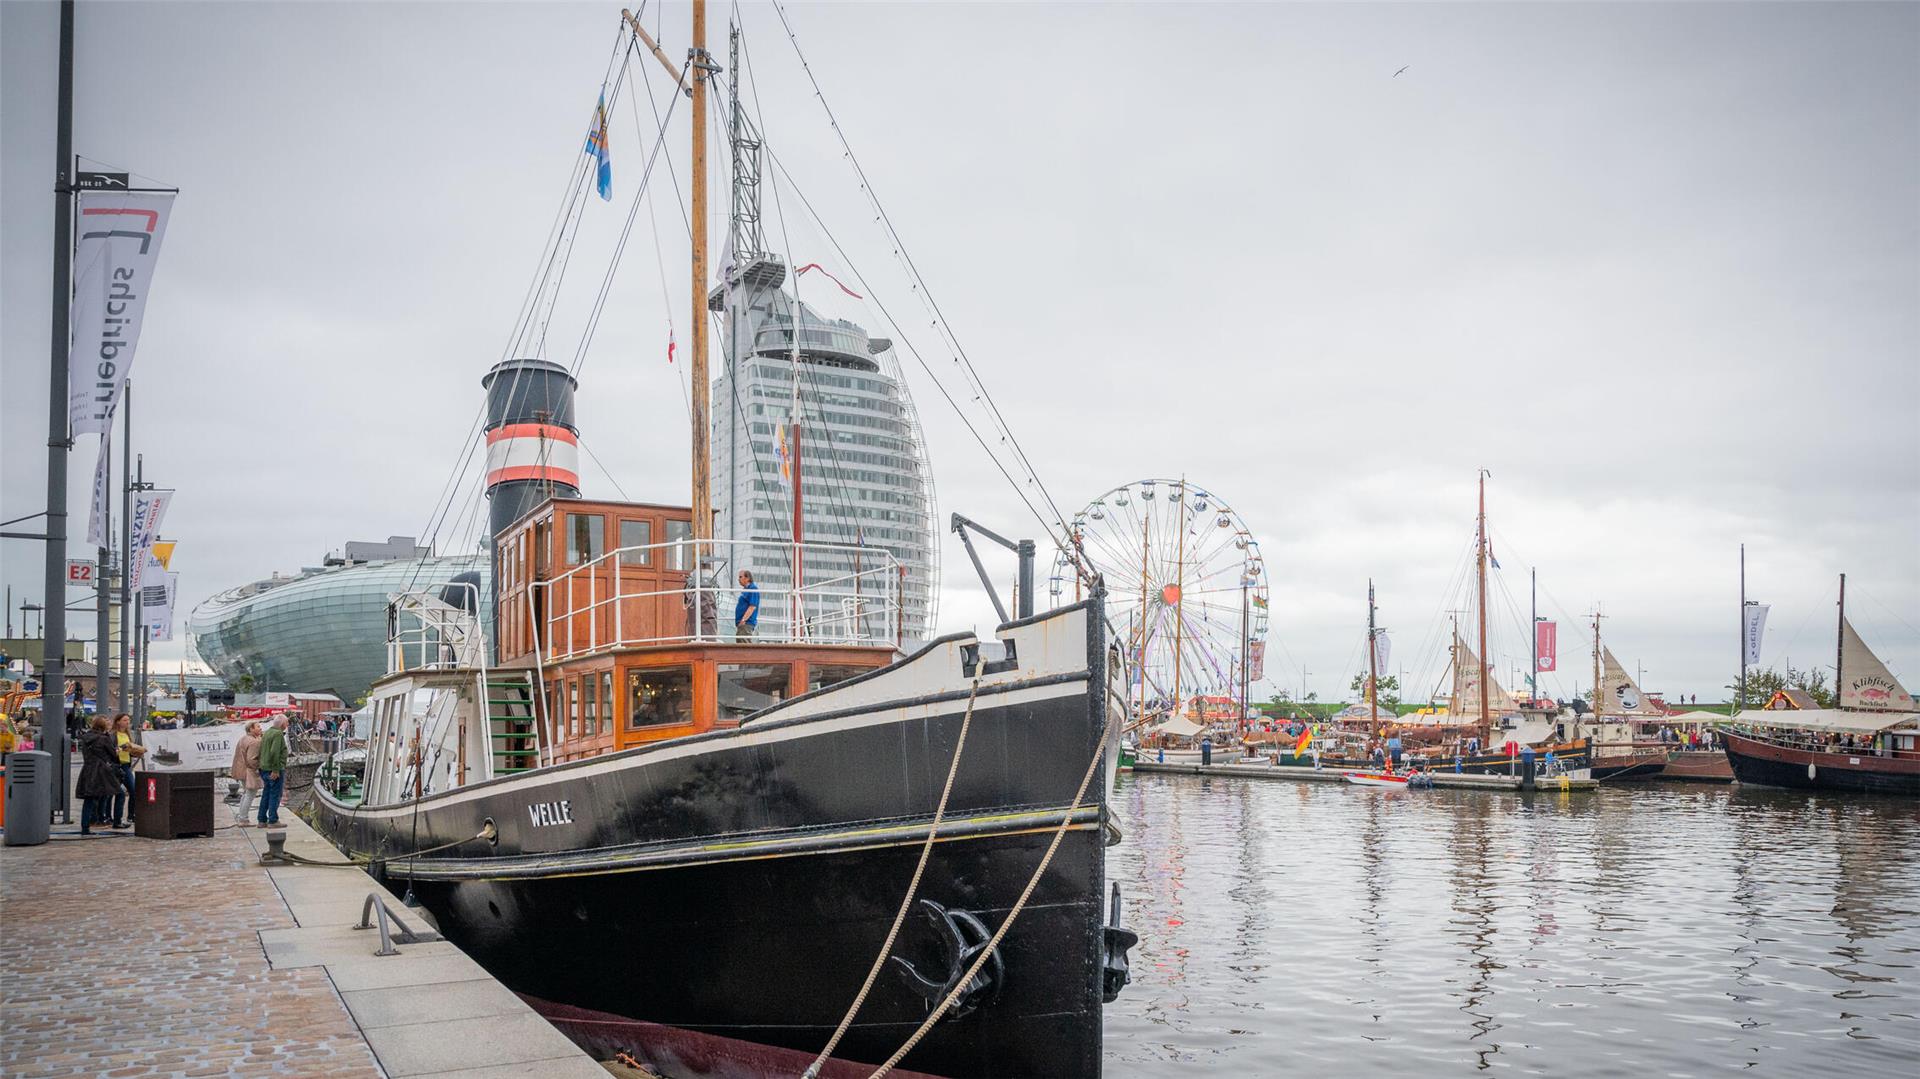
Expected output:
(1546, 644)
(149, 509)
(1756, 630)
(117, 243)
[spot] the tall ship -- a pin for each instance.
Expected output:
(1620, 711)
(1870, 740)
(1484, 729)
(743, 825)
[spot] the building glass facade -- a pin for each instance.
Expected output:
(865, 479)
(322, 630)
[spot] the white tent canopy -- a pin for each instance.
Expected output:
(1178, 726)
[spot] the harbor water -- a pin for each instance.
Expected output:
(1670, 930)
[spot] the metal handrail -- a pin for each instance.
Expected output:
(375, 905)
(1819, 746)
(841, 609)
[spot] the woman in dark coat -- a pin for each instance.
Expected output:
(98, 783)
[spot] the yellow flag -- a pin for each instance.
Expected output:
(163, 554)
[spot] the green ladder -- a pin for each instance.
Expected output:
(511, 724)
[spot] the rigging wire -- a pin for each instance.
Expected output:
(940, 322)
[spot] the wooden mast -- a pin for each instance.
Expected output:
(1840, 644)
(1599, 718)
(1179, 599)
(1140, 657)
(1480, 565)
(702, 67)
(1373, 662)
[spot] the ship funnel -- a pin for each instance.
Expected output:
(533, 448)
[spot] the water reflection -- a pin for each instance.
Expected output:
(1303, 928)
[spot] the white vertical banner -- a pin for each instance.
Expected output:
(117, 244)
(149, 509)
(1756, 629)
(1382, 652)
(97, 508)
(156, 601)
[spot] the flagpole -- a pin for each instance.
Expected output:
(126, 536)
(1740, 694)
(102, 590)
(1533, 674)
(53, 663)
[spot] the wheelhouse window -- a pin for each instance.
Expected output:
(573, 707)
(659, 697)
(745, 689)
(590, 705)
(586, 537)
(678, 532)
(822, 675)
(636, 534)
(606, 702)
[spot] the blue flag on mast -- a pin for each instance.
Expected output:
(597, 146)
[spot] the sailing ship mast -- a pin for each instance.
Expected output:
(1179, 601)
(1373, 662)
(701, 74)
(1840, 646)
(1480, 565)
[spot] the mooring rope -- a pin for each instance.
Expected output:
(906, 903)
(986, 953)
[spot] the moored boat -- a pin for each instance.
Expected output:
(1698, 766)
(1396, 781)
(1870, 742)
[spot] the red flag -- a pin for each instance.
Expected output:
(1545, 642)
(669, 344)
(830, 277)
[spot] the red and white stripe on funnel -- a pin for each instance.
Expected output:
(533, 451)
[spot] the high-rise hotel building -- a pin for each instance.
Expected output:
(863, 461)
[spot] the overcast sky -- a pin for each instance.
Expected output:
(1656, 267)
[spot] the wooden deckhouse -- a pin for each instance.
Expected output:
(631, 635)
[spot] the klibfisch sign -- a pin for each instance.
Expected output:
(117, 245)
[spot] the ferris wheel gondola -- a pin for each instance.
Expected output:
(1186, 589)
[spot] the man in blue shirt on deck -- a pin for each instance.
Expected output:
(746, 609)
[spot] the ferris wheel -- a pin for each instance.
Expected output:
(1184, 579)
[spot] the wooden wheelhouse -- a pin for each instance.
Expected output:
(626, 624)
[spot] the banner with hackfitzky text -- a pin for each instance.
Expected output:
(149, 509)
(1546, 645)
(116, 245)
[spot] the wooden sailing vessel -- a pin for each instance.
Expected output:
(1619, 710)
(704, 847)
(1486, 727)
(1870, 742)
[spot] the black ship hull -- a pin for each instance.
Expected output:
(739, 883)
(1771, 764)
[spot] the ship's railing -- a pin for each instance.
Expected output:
(1834, 744)
(426, 633)
(847, 595)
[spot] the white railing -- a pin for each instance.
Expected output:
(426, 633)
(854, 600)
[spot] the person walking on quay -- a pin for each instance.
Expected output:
(246, 769)
(273, 771)
(746, 610)
(125, 749)
(98, 784)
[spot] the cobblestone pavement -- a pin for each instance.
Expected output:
(135, 957)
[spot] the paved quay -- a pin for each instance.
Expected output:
(128, 957)
(1334, 775)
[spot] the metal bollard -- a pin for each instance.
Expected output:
(276, 848)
